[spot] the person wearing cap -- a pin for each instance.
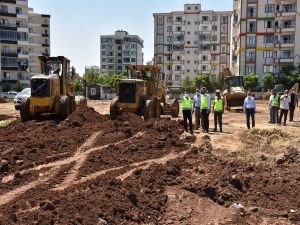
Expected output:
(218, 110)
(284, 107)
(274, 102)
(205, 109)
(293, 104)
(270, 105)
(196, 107)
(187, 111)
(249, 108)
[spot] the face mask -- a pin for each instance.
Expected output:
(197, 93)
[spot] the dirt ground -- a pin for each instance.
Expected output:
(88, 169)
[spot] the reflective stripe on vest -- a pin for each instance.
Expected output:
(218, 104)
(204, 102)
(186, 103)
(275, 101)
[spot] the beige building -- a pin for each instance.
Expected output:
(264, 36)
(23, 36)
(120, 50)
(192, 42)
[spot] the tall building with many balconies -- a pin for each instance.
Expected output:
(23, 36)
(264, 36)
(192, 42)
(120, 50)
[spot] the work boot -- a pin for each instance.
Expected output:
(221, 129)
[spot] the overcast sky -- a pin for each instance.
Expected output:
(76, 25)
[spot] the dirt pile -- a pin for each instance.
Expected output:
(90, 170)
(2, 101)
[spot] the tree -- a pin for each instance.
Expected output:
(91, 78)
(201, 81)
(78, 85)
(269, 81)
(18, 86)
(251, 81)
(216, 83)
(188, 85)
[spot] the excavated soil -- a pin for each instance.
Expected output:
(90, 170)
(2, 101)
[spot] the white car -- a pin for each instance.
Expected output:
(25, 93)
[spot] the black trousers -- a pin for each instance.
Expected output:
(218, 118)
(285, 113)
(250, 113)
(205, 119)
(197, 117)
(292, 110)
(187, 116)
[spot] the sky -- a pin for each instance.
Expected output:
(76, 25)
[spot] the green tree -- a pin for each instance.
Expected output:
(18, 86)
(78, 86)
(6, 87)
(202, 80)
(91, 78)
(188, 85)
(251, 81)
(269, 81)
(216, 83)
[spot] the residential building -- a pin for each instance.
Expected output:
(95, 69)
(120, 50)
(192, 42)
(264, 36)
(24, 35)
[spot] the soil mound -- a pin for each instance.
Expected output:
(3, 100)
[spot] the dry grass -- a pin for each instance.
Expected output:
(5, 123)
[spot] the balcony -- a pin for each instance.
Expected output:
(7, 13)
(8, 27)
(250, 59)
(22, 2)
(287, 43)
(288, 28)
(9, 53)
(287, 60)
(175, 61)
(179, 22)
(22, 15)
(23, 54)
(177, 71)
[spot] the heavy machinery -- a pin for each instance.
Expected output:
(234, 93)
(142, 95)
(52, 91)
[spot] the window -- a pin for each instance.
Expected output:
(268, 54)
(178, 19)
(188, 22)
(188, 42)
(270, 8)
(4, 8)
(205, 18)
(269, 24)
(214, 18)
(30, 20)
(160, 20)
(251, 27)
(188, 61)
(169, 68)
(251, 12)
(30, 49)
(133, 46)
(169, 29)
(177, 77)
(6, 75)
(213, 57)
(268, 69)
(189, 8)
(133, 60)
(169, 39)
(187, 52)
(187, 70)
(31, 59)
(30, 30)
(177, 68)
(160, 40)
(250, 56)
(269, 39)
(188, 32)
(223, 59)
(204, 58)
(5, 48)
(250, 41)
(204, 68)
(103, 59)
(223, 49)
(30, 39)
(169, 19)
(93, 91)
(224, 19)
(178, 29)
(250, 69)
(214, 28)
(160, 30)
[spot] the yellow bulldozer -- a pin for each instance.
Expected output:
(52, 91)
(234, 93)
(143, 94)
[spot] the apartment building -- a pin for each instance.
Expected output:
(264, 36)
(95, 69)
(23, 36)
(120, 50)
(192, 42)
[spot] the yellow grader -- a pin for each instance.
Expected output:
(52, 91)
(143, 94)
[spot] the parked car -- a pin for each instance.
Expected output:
(23, 94)
(10, 94)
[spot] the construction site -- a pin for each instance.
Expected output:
(89, 169)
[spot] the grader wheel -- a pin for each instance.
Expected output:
(24, 109)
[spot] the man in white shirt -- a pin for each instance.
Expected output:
(196, 106)
(284, 106)
(270, 106)
(250, 109)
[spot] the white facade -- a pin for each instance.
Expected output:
(22, 38)
(120, 50)
(192, 42)
(264, 36)
(95, 69)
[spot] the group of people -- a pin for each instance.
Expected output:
(201, 106)
(285, 103)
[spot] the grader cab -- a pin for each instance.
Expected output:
(142, 94)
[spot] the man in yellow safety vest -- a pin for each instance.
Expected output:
(186, 106)
(205, 109)
(274, 102)
(218, 110)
